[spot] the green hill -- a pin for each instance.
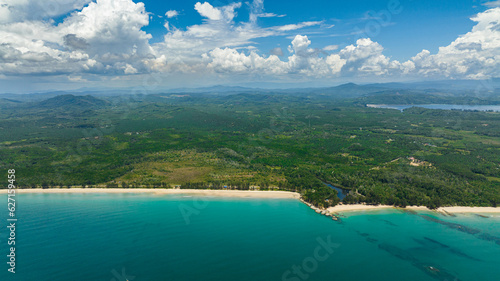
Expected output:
(73, 102)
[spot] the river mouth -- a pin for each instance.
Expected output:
(341, 193)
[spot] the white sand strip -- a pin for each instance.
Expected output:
(203, 192)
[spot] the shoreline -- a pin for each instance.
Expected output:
(444, 210)
(203, 192)
(341, 208)
(460, 210)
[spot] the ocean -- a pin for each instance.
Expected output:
(119, 237)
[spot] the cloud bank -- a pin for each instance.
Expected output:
(106, 37)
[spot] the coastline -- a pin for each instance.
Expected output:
(357, 207)
(203, 192)
(459, 210)
(341, 208)
(445, 210)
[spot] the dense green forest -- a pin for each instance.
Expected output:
(263, 141)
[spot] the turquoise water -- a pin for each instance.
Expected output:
(444, 106)
(114, 237)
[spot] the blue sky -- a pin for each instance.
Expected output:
(423, 24)
(68, 44)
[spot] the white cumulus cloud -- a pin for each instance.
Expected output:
(208, 11)
(22, 10)
(102, 37)
(474, 55)
(365, 58)
(171, 14)
(106, 37)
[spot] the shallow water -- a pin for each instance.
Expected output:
(173, 237)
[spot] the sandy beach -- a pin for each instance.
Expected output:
(356, 207)
(361, 207)
(203, 192)
(253, 194)
(457, 210)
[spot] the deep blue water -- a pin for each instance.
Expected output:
(443, 106)
(173, 237)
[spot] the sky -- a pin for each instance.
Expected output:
(154, 45)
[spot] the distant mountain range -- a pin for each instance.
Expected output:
(467, 92)
(5, 101)
(65, 102)
(72, 101)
